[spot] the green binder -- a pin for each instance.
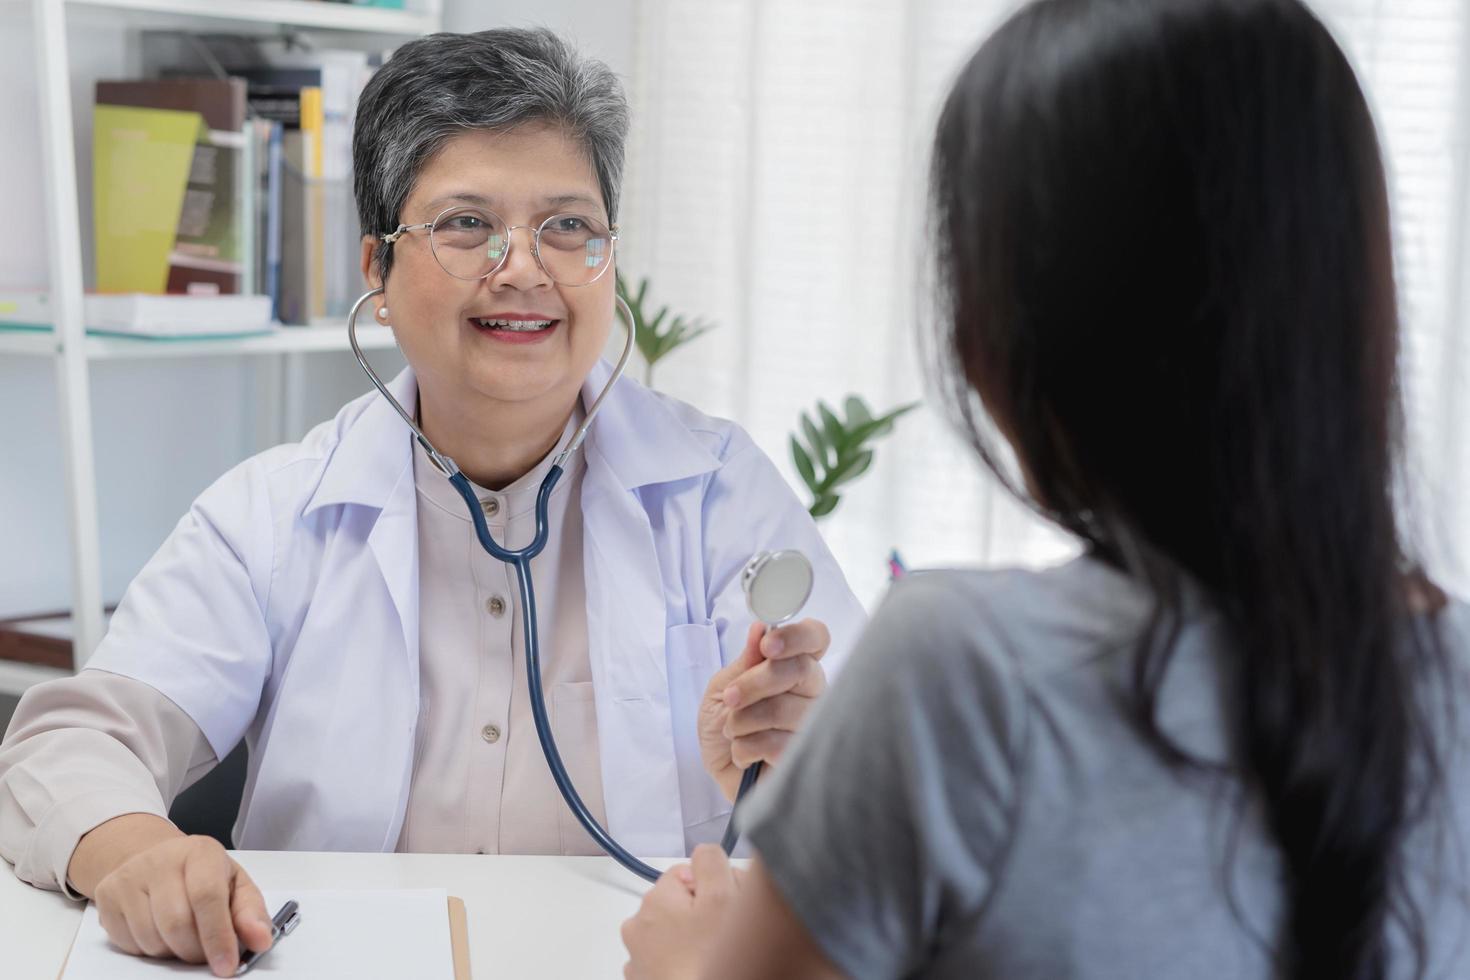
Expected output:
(141, 162)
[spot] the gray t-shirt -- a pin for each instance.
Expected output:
(972, 799)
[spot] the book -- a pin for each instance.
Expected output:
(144, 315)
(271, 253)
(221, 101)
(294, 232)
(313, 122)
(211, 250)
(140, 173)
(299, 231)
(343, 76)
(309, 260)
(275, 92)
(147, 314)
(328, 83)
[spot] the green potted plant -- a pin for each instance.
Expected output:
(657, 336)
(836, 452)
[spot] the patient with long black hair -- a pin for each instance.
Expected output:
(1230, 740)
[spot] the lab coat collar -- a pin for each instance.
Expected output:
(639, 435)
(372, 454)
(636, 432)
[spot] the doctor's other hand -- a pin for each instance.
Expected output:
(165, 895)
(753, 706)
(679, 917)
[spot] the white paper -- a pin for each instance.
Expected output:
(367, 934)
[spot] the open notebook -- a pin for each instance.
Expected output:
(370, 934)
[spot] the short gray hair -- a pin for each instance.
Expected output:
(437, 87)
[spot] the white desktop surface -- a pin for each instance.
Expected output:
(528, 917)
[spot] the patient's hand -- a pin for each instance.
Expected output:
(679, 918)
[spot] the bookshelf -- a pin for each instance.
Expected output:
(287, 340)
(305, 14)
(71, 350)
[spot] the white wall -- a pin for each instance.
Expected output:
(603, 29)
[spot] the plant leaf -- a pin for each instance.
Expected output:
(823, 505)
(837, 454)
(851, 469)
(658, 321)
(900, 411)
(836, 434)
(858, 436)
(884, 424)
(657, 337)
(814, 439)
(803, 464)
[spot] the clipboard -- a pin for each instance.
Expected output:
(459, 941)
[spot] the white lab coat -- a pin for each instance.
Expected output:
(284, 609)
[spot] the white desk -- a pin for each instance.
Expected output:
(528, 916)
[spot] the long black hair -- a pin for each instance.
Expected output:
(1163, 245)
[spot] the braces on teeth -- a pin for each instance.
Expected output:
(523, 326)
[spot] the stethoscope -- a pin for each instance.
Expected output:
(776, 584)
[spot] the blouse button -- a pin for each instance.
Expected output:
(490, 506)
(495, 606)
(490, 733)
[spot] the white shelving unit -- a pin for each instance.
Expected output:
(287, 340)
(305, 14)
(68, 345)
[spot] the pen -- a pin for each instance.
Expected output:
(287, 919)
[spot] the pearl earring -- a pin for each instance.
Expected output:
(382, 313)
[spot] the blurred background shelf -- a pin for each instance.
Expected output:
(306, 14)
(288, 340)
(33, 650)
(33, 342)
(329, 338)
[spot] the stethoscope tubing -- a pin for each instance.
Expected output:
(520, 560)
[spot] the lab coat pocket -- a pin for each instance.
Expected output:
(574, 722)
(693, 656)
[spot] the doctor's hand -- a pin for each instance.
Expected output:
(176, 898)
(753, 707)
(680, 917)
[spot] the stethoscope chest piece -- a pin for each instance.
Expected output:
(777, 584)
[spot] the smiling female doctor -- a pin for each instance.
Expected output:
(328, 601)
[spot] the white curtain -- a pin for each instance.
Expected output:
(1414, 58)
(775, 186)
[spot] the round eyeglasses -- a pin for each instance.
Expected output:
(473, 243)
